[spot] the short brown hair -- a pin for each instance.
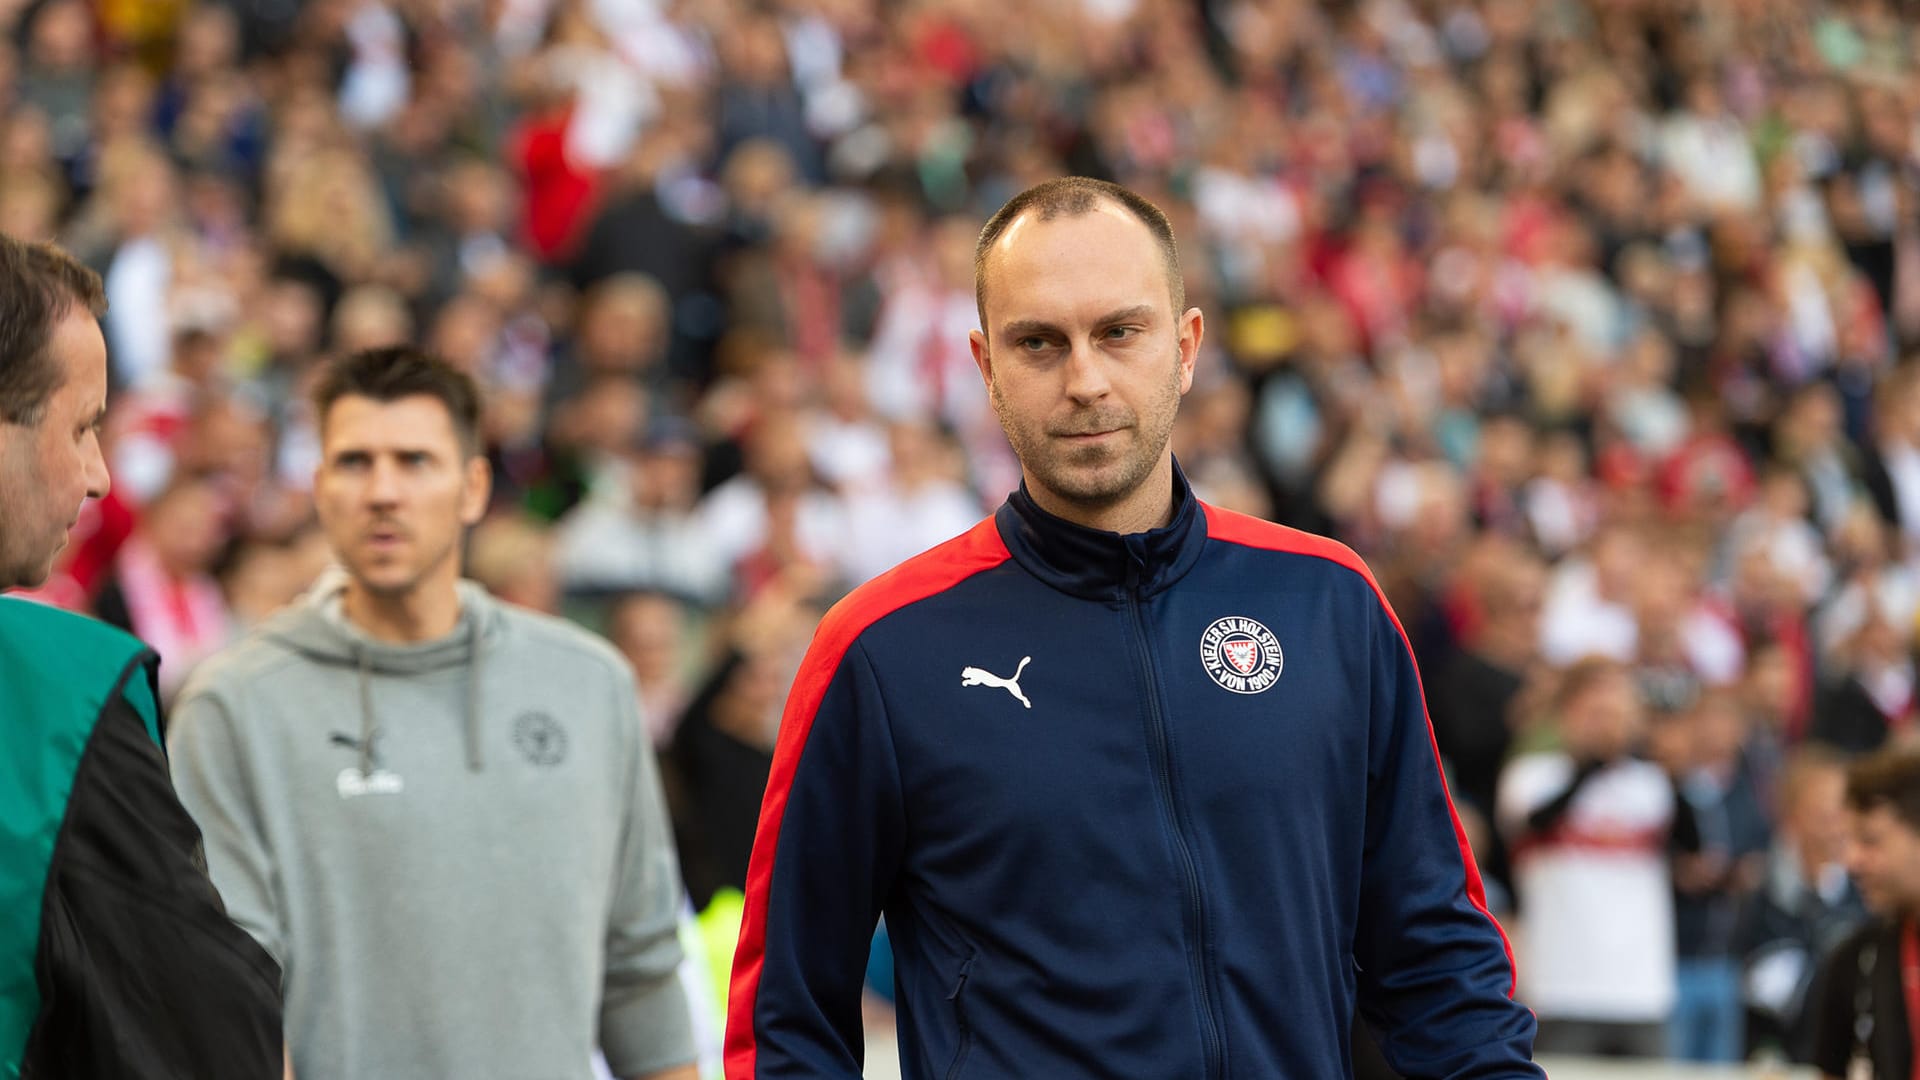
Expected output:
(41, 284)
(402, 371)
(1583, 675)
(1070, 196)
(1889, 778)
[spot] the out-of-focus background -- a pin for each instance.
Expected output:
(1591, 325)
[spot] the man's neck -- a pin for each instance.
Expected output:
(424, 613)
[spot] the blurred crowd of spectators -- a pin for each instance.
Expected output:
(1589, 324)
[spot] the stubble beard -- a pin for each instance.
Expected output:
(27, 553)
(1094, 477)
(394, 584)
(24, 569)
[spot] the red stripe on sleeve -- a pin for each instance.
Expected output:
(938, 570)
(1235, 528)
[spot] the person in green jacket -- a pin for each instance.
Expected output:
(117, 958)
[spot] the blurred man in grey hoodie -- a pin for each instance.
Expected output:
(440, 813)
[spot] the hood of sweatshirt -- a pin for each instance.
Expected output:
(316, 627)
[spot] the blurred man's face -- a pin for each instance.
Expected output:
(777, 455)
(395, 490)
(1817, 820)
(1605, 720)
(667, 478)
(1719, 730)
(188, 528)
(1083, 355)
(1885, 861)
(650, 632)
(48, 469)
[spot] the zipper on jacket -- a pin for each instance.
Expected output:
(1163, 769)
(960, 1018)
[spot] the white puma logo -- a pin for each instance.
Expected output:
(974, 676)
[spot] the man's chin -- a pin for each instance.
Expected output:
(1093, 484)
(31, 577)
(1082, 492)
(384, 582)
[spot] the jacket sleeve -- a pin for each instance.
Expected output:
(824, 862)
(645, 1025)
(1435, 974)
(142, 976)
(215, 782)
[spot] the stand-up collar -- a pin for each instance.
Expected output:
(1103, 565)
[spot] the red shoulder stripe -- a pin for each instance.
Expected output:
(1233, 528)
(934, 572)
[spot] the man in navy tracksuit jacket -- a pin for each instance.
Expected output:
(1144, 788)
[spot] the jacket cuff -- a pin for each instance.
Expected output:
(646, 1029)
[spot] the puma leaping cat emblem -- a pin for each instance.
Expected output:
(974, 676)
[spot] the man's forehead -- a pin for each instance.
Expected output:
(1103, 212)
(83, 353)
(417, 421)
(1105, 261)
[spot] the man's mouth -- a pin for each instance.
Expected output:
(1089, 436)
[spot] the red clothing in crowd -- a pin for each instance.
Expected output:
(559, 192)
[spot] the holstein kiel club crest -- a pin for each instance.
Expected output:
(1241, 655)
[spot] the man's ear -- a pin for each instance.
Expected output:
(982, 357)
(477, 491)
(1193, 329)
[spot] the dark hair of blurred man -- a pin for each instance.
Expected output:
(116, 957)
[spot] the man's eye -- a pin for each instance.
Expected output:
(1032, 344)
(1120, 333)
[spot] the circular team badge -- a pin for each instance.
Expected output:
(541, 738)
(1241, 655)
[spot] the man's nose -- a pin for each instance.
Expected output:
(1086, 373)
(383, 484)
(1854, 856)
(98, 480)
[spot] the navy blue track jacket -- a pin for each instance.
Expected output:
(1156, 806)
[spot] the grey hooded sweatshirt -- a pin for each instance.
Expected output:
(457, 850)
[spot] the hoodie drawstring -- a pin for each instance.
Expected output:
(367, 727)
(473, 692)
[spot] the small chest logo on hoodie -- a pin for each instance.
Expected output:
(540, 738)
(352, 783)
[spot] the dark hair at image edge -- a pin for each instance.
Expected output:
(402, 371)
(41, 284)
(1889, 778)
(1070, 196)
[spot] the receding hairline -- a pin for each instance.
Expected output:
(1076, 196)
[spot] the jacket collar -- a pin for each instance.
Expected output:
(1102, 565)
